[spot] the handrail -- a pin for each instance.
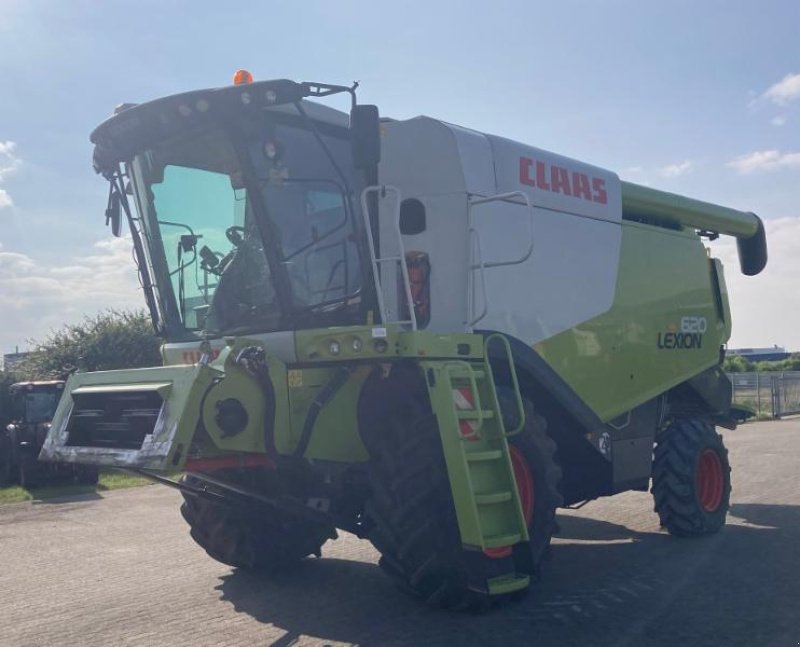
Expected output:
(475, 236)
(494, 337)
(506, 197)
(400, 258)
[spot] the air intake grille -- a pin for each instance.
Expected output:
(114, 419)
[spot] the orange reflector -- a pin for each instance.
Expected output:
(242, 77)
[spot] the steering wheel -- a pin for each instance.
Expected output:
(235, 235)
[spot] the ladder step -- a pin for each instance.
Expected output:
(473, 414)
(386, 259)
(492, 497)
(488, 455)
(507, 584)
(466, 375)
(498, 541)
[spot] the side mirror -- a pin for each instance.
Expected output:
(366, 136)
(113, 213)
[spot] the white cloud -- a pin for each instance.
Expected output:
(769, 160)
(784, 91)
(780, 120)
(675, 170)
(765, 309)
(39, 296)
(9, 163)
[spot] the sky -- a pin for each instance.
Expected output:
(696, 98)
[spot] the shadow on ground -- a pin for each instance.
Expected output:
(627, 588)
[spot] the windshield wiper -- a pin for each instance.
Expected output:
(313, 128)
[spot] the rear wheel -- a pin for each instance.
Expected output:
(7, 476)
(411, 510)
(87, 474)
(251, 536)
(691, 479)
(30, 471)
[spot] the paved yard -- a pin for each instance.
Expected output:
(121, 570)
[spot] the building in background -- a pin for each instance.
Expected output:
(774, 354)
(12, 360)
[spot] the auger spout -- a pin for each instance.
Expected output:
(747, 228)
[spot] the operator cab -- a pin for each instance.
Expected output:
(35, 402)
(247, 207)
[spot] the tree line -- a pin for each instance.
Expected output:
(739, 364)
(112, 339)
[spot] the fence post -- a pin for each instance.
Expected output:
(776, 396)
(758, 394)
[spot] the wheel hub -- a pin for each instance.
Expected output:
(523, 475)
(709, 480)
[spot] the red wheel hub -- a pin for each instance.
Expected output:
(525, 489)
(709, 480)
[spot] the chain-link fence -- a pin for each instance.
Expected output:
(768, 394)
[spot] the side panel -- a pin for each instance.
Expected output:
(662, 329)
(569, 278)
(571, 275)
(435, 164)
(335, 432)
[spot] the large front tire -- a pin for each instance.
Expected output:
(411, 510)
(691, 479)
(251, 536)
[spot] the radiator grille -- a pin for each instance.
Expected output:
(115, 420)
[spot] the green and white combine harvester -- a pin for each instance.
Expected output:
(425, 335)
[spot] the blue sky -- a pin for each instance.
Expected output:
(699, 98)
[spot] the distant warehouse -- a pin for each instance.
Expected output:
(774, 354)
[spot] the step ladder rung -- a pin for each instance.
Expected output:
(491, 498)
(458, 374)
(488, 455)
(474, 414)
(387, 259)
(508, 583)
(498, 541)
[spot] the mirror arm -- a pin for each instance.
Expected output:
(115, 180)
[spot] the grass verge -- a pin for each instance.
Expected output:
(110, 479)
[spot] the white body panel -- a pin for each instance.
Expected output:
(571, 275)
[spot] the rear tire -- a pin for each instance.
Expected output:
(7, 475)
(30, 476)
(691, 479)
(87, 474)
(249, 536)
(411, 510)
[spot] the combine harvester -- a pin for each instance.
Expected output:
(427, 336)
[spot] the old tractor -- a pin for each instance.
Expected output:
(32, 407)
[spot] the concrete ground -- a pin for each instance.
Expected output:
(121, 570)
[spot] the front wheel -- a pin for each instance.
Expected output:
(251, 536)
(411, 511)
(691, 479)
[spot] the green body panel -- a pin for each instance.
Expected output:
(314, 345)
(627, 355)
(335, 433)
(238, 384)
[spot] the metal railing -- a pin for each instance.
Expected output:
(772, 394)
